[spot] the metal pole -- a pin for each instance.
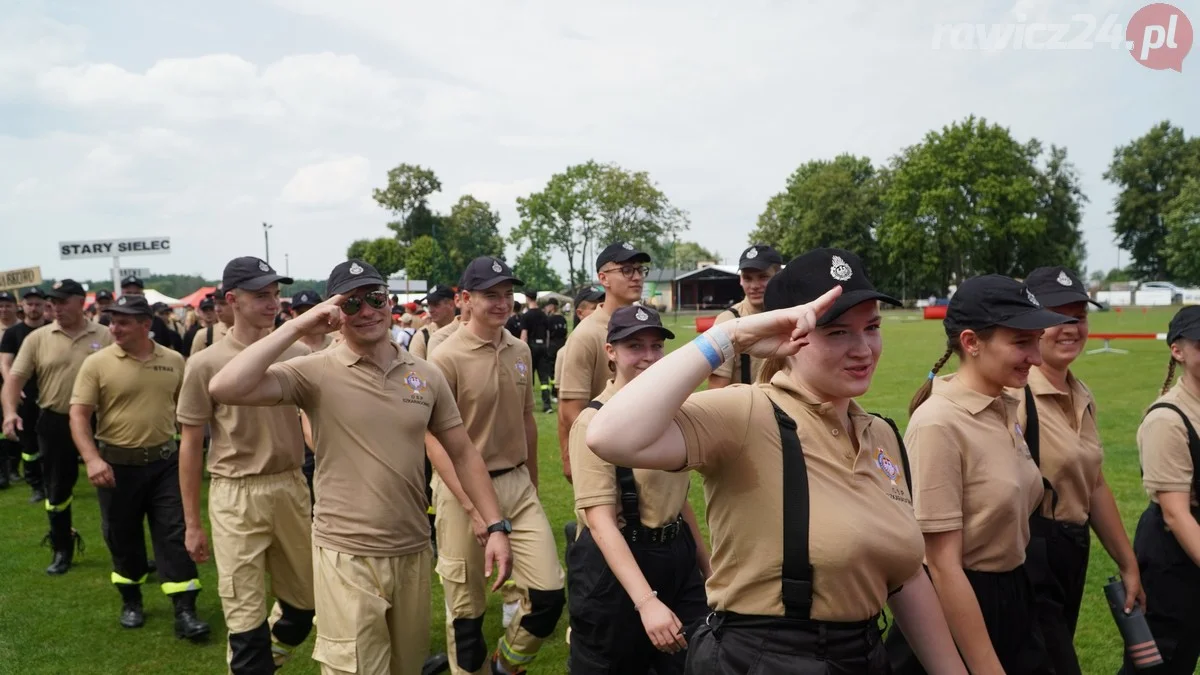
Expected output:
(116, 276)
(287, 265)
(267, 241)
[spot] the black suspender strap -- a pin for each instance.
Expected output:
(744, 360)
(797, 571)
(629, 495)
(1193, 441)
(903, 450)
(1033, 439)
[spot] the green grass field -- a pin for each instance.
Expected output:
(69, 624)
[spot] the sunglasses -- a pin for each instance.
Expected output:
(376, 299)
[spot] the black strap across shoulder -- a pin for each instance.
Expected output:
(1193, 441)
(628, 487)
(797, 570)
(744, 361)
(208, 335)
(1033, 439)
(903, 450)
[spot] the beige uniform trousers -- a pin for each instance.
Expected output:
(372, 613)
(460, 562)
(261, 525)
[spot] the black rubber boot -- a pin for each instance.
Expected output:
(251, 652)
(132, 615)
(187, 625)
(438, 663)
(64, 551)
(5, 476)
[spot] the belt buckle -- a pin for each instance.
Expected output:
(165, 451)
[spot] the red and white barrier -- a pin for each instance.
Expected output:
(1109, 337)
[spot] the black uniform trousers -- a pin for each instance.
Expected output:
(1007, 604)
(1172, 583)
(60, 471)
(727, 644)
(607, 636)
(543, 365)
(149, 492)
(31, 453)
(1057, 561)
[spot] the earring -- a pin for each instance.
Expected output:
(974, 354)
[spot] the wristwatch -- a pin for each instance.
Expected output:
(503, 526)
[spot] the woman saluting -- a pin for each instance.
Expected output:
(811, 522)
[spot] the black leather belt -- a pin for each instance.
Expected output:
(656, 535)
(136, 456)
(500, 472)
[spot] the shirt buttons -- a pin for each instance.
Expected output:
(834, 432)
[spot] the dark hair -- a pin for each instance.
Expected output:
(1170, 377)
(953, 347)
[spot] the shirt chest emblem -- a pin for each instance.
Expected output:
(414, 382)
(522, 367)
(886, 465)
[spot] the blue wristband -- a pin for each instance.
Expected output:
(709, 351)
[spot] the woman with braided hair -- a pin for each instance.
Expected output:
(1167, 542)
(975, 484)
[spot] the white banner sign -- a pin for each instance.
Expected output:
(108, 248)
(139, 272)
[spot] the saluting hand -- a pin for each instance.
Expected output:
(780, 332)
(13, 424)
(498, 555)
(101, 474)
(324, 318)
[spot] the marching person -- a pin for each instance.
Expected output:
(10, 448)
(162, 334)
(258, 500)
(1058, 415)
(104, 300)
(131, 387)
(583, 305)
(444, 333)
(53, 354)
(207, 316)
(622, 270)
(793, 467)
(440, 302)
(301, 303)
(1167, 540)
(370, 403)
(216, 330)
(488, 373)
(975, 483)
(33, 303)
(556, 329)
(642, 526)
(755, 268)
(535, 332)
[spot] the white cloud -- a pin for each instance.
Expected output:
(329, 183)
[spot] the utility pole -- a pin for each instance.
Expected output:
(287, 265)
(267, 241)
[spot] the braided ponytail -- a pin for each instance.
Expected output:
(927, 387)
(1170, 376)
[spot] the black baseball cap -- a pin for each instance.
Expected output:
(250, 274)
(66, 288)
(438, 293)
(160, 307)
(33, 292)
(132, 280)
(6, 296)
(305, 299)
(485, 272)
(810, 275)
(620, 252)
(1057, 286)
(207, 303)
(996, 300)
(352, 274)
(759, 257)
(1185, 324)
(133, 305)
(633, 319)
(552, 300)
(104, 294)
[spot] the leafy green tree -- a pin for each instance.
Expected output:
(686, 255)
(1182, 243)
(471, 230)
(1060, 208)
(426, 259)
(535, 270)
(406, 195)
(385, 254)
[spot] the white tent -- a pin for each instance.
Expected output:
(153, 296)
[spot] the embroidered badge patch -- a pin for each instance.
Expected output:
(839, 270)
(886, 465)
(414, 382)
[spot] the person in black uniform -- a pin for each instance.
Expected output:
(556, 329)
(10, 449)
(208, 317)
(131, 387)
(513, 325)
(104, 299)
(159, 331)
(535, 333)
(33, 303)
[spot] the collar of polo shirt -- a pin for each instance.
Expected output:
(781, 380)
(348, 357)
(476, 342)
(966, 398)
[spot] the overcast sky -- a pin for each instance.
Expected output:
(201, 120)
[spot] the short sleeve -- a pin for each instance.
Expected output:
(1163, 446)
(195, 406)
(715, 424)
(25, 365)
(8, 342)
(576, 381)
(725, 370)
(935, 456)
(299, 379)
(445, 408)
(87, 383)
(416, 346)
(528, 407)
(593, 479)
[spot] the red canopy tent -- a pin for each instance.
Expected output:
(194, 298)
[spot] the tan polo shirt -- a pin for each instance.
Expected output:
(863, 539)
(494, 391)
(134, 400)
(369, 430)
(732, 369)
(246, 440)
(54, 358)
(326, 343)
(661, 494)
(585, 370)
(1163, 444)
(973, 472)
(441, 335)
(1071, 453)
(419, 344)
(200, 339)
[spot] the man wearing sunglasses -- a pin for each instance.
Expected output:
(370, 403)
(258, 501)
(490, 373)
(622, 270)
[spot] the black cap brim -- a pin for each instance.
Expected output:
(757, 264)
(1036, 319)
(129, 311)
(633, 330)
(302, 305)
(259, 283)
(1065, 297)
(624, 256)
(489, 283)
(353, 283)
(63, 295)
(846, 301)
